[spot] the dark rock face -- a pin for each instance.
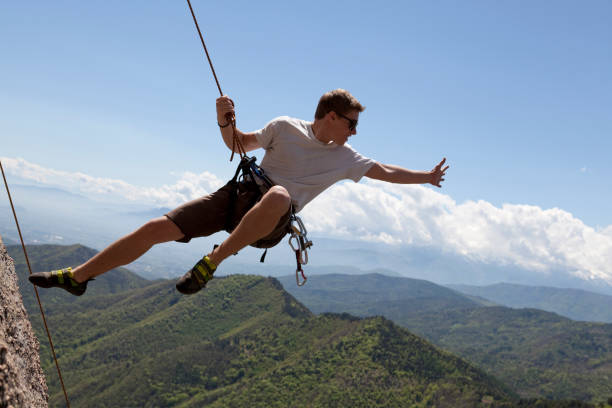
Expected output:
(22, 381)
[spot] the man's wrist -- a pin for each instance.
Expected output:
(430, 176)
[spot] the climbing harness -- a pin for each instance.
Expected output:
(249, 172)
(42, 312)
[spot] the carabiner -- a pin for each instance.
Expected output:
(299, 270)
(299, 243)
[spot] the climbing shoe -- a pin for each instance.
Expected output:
(62, 278)
(197, 277)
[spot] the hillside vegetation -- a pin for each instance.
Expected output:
(538, 354)
(243, 342)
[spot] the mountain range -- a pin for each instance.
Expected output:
(242, 342)
(133, 342)
(575, 304)
(537, 353)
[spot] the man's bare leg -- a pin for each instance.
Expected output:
(258, 222)
(128, 248)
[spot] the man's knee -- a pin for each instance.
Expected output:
(277, 199)
(160, 229)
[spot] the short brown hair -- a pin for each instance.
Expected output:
(340, 101)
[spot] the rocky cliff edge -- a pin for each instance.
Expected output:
(22, 381)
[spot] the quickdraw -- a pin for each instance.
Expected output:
(298, 241)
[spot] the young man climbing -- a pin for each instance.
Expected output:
(302, 159)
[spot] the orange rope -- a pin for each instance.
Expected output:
(231, 118)
(35, 290)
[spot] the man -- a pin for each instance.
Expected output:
(302, 159)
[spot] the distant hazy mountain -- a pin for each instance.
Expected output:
(375, 294)
(573, 303)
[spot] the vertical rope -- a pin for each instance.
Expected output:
(25, 253)
(195, 20)
(231, 118)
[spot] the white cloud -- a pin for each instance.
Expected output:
(513, 234)
(523, 235)
(187, 187)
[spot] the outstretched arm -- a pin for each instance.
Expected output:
(400, 175)
(225, 110)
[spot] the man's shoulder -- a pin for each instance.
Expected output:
(287, 125)
(290, 121)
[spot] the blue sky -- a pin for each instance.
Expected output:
(517, 95)
(115, 99)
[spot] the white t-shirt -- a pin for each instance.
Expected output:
(305, 166)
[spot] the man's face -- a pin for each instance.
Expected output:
(344, 126)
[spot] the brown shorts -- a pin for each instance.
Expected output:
(212, 213)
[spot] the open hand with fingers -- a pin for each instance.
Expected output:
(438, 173)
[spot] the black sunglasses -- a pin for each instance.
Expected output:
(352, 122)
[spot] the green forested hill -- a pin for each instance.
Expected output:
(539, 354)
(242, 342)
(245, 342)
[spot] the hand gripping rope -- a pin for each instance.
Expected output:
(298, 240)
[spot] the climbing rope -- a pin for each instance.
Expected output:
(25, 253)
(230, 117)
(298, 231)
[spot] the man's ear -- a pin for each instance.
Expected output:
(331, 115)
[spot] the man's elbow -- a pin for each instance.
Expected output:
(379, 172)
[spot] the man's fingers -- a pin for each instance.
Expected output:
(225, 101)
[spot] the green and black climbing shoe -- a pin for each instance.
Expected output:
(197, 277)
(62, 278)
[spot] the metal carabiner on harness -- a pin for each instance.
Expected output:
(299, 270)
(298, 241)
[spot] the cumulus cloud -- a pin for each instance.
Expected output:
(514, 234)
(523, 235)
(188, 186)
